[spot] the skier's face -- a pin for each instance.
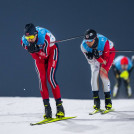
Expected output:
(90, 44)
(124, 67)
(32, 38)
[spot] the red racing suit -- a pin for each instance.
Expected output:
(46, 63)
(107, 56)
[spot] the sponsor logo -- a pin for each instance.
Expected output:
(91, 34)
(54, 64)
(102, 39)
(87, 36)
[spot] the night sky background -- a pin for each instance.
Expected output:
(64, 18)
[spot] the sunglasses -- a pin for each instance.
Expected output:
(30, 37)
(88, 40)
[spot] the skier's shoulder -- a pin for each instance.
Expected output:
(42, 31)
(24, 40)
(130, 64)
(84, 47)
(102, 38)
(118, 59)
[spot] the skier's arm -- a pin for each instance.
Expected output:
(34, 55)
(24, 46)
(88, 55)
(131, 69)
(46, 46)
(132, 59)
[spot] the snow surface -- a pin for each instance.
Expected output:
(16, 114)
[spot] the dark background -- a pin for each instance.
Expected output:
(64, 18)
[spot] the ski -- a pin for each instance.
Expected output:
(96, 111)
(51, 120)
(38, 123)
(107, 111)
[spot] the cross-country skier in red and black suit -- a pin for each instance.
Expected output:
(37, 41)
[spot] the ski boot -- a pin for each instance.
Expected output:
(60, 110)
(48, 112)
(96, 105)
(108, 102)
(96, 100)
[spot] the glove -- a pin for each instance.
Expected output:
(124, 75)
(33, 47)
(96, 53)
(89, 55)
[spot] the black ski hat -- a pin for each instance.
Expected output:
(30, 29)
(90, 34)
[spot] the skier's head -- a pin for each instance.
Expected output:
(124, 63)
(91, 38)
(30, 32)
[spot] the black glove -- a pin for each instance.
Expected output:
(96, 53)
(33, 47)
(89, 55)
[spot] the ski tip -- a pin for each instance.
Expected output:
(74, 116)
(95, 111)
(33, 124)
(70, 117)
(107, 111)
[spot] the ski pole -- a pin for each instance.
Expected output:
(71, 38)
(126, 51)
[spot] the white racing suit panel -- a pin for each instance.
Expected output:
(106, 84)
(95, 68)
(52, 39)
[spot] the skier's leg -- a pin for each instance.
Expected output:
(118, 80)
(41, 71)
(105, 80)
(106, 84)
(52, 64)
(127, 86)
(116, 87)
(95, 84)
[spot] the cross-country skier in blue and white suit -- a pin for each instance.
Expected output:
(96, 49)
(122, 68)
